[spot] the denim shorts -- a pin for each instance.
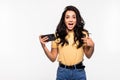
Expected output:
(70, 74)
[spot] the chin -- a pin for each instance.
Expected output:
(70, 29)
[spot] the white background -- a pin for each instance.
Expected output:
(22, 21)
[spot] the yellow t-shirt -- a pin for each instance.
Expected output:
(68, 54)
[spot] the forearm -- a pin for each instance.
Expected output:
(88, 51)
(48, 53)
(88, 47)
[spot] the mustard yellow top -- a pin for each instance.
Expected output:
(69, 54)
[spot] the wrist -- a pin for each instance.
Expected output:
(43, 45)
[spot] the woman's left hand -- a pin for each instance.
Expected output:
(88, 42)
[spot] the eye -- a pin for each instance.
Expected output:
(67, 17)
(74, 17)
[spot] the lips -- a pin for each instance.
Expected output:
(70, 23)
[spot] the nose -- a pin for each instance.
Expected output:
(70, 19)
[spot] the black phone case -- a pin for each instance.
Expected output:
(51, 37)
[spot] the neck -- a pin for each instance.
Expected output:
(70, 31)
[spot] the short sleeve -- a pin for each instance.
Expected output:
(54, 44)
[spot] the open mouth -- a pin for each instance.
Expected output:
(70, 23)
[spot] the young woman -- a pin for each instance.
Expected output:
(72, 42)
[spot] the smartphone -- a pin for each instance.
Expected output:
(51, 37)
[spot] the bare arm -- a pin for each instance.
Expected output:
(88, 47)
(52, 55)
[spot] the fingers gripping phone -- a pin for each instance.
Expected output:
(51, 37)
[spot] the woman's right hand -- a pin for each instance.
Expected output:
(52, 55)
(43, 40)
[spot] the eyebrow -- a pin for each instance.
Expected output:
(69, 15)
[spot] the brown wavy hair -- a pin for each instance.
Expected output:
(78, 29)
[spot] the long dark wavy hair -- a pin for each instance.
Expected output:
(78, 29)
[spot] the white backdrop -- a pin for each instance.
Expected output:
(22, 21)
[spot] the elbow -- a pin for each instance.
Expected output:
(88, 56)
(52, 60)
